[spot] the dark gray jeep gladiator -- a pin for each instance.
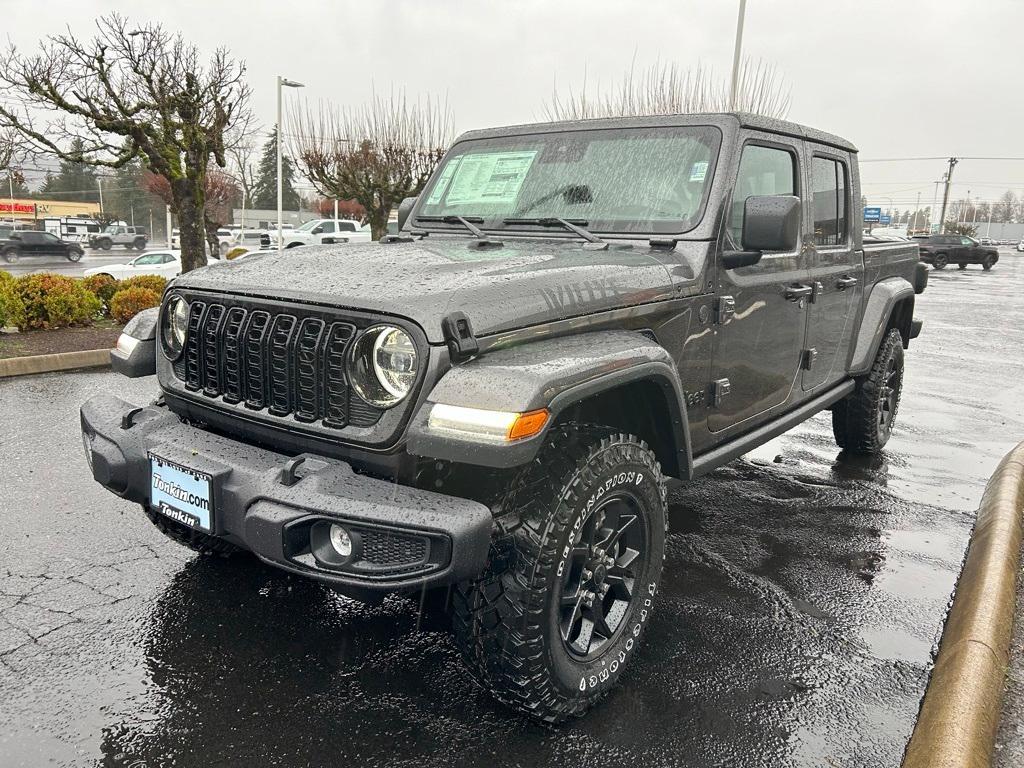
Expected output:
(486, 406)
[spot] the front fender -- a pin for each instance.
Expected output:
(551, 373)
(884, 297)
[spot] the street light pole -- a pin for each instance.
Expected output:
(99, 183)
(282, 82)
(736, 55)
(945, 195)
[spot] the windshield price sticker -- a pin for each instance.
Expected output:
(442, 182)
(495, 177)
(699, 170)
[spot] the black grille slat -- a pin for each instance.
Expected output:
(209, 342)
(283, 363)
(252, 349)
(335, 381)
(233, 383)
(279, 365)
(192, 354)
(392, 550)
(307, 369)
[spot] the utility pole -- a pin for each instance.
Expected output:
(99, 183)
(945, 195)
(169, 241)
(736, 55)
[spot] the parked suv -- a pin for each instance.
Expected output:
(30, 242)
(320, 232)
(487, 405)
(118, 234)
(940, 250)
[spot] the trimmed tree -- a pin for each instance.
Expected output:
(131, 92)
(376, 155)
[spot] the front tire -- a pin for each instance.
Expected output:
(74, 256)
(560, 609)
(988, 263)
(862, 421)
(11, 256)
(104, 244)
(940, 261)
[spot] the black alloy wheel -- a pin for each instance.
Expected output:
(597, 589)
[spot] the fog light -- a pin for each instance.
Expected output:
(340, 540)
(87, 444)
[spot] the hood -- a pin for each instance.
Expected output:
(524, 282)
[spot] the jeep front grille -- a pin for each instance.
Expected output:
(284, 363)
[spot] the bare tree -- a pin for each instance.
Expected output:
(130, 93)
(666, 89)
(376, 155)
(241, 153)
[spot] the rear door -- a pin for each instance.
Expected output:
(837, 270)
(762, 308)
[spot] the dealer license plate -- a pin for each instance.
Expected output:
(181, 494)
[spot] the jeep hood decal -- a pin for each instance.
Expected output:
(520, 284)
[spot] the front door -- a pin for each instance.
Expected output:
(837, 272)
(762, 308)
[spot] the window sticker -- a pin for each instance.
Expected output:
(699, 170)
(442, 183)
(494, 177)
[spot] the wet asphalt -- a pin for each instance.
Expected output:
(802, 598)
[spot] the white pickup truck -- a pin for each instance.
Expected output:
(321, 231)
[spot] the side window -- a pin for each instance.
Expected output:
(966, 241)
(346, 226)
(168, 258)
(828, 196)
(327, 226)
(763, 171)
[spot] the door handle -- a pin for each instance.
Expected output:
(797, 292)
(845, 282)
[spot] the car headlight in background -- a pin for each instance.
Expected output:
(173, 326)
(383, 365)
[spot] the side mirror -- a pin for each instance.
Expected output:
(317, 230)
(135, 353)
(404, 209)
(771, 223)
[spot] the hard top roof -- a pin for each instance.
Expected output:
(721, 119)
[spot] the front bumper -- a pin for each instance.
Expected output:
(270, 503)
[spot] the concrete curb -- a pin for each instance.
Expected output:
(62, 361)
(961, 709)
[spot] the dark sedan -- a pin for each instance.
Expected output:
(940, 250)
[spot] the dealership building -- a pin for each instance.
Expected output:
(33, 210)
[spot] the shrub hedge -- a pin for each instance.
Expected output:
(12, 308)
(128, 302)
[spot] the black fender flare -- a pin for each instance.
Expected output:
(556, 374)
(878, 309)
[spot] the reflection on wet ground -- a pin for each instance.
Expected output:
(803, 594)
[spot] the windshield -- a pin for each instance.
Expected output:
(308, 226)
(615, 180)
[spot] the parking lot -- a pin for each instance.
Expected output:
(92, 258)
(803, 595)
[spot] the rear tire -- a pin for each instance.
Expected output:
(962, 266)
(203, 543)
(11, 256)
(140, 243)
(862, 421)
(940, 261)
(560, 608)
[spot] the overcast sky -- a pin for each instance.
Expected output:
(899, 78)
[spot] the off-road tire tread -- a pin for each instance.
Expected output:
(498, 618)
(204, 544)
(854, 417)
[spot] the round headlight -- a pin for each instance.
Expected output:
(383, 366)
(174, 326)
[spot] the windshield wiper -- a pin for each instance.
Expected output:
(575, 225)
(469, 222)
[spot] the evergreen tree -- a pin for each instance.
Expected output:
(74, 181)
(264, 193)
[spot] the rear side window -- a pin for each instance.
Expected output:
(346, 226)
(828, 196)
(763, 171)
